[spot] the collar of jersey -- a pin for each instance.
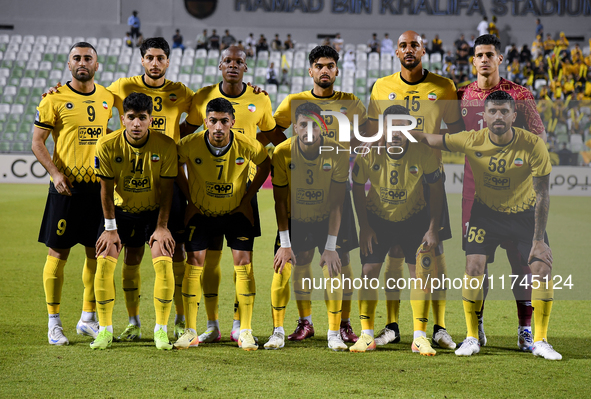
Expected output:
(79, 92)
(502, 145)
(152, 87)
(426, 73)
(227, 148)
(136, 146)
(229, 96)
(315, 96)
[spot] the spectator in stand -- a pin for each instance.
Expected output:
(461, 43)
(201, 40)
(373, 44)
(549, 44)
(565, 155)
(492, 27)
(525, 55)
(272, 75)
(285, 77)
(482, 27)
(437, 46)
(539, 28)
(240, 45)
(214, 41)
(337, 42)
(515, 71)
(250, 45)
(128, 40)
(349, 61)
(262, 44)
(461, 53)
(576, 53)
(471, 43)
(288, 44)
(227, 40)
(177, 40)
(140, 40)
(512, 54)
(537, 47)
(326, 41)
(562, 42)
(387, 45)
(134, 24)
(276, 44)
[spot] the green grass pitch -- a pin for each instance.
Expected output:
(30, 367)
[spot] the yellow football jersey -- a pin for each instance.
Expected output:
(396, 191)
(218, 183)
(503, 174)
(308, 179)
(345, 103)
(170, 101)
(76, 121)
(137, 170)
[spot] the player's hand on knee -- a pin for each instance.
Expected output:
(164, 240)
(540, 251)
(257, 89)
(430, 240)
(191, 211)
(367, 236)
(52, 90)
(108, 244)
(62, 184)
(246, 209)
(283, 256)
(332, 261)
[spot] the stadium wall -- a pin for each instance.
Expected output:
(304, 19)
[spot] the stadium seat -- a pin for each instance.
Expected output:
(92, 40)
(18, 39)
(116, 42)
(184, 78)
(103, 41)
(362, 48)
(53, 40)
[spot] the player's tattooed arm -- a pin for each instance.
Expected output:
(540, 250)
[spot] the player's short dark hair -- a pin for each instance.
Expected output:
(138, 102)
(220, 105)
(500, 97)
(307, 109)
(82, 45)
(488, 39)
(396, 110)
(155, 42)
(323, 51)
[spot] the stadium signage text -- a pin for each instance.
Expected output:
(416, 7)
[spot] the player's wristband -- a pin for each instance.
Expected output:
(110, 224)
(284, 238)
(331, 243)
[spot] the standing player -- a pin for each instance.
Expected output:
(76, 118)
(430, 98)
(137, 168)
(487, 57)
(251, 110)
(323, 70)
(309, 189)
(218, 161)
(512, 202)
(395, 214)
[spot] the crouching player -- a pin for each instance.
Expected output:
(395, 214)
(309, 189)
(220, 204)
(511, 174)
(137, 168)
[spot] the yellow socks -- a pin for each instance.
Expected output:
(303, 289)
(163, 288)
(178, 269)
(419, 302)
(192, 294)
(347, 272)
(394, 268)
(280, 294)
(212, 275)
(438, 299)
(368, 302)
(246, 291)
(88, 272)
(333, 299)
(472, 298)
(104, 289)
(132, 283)
(53, 280)
(541, 300)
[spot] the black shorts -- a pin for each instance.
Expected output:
(134, 229)
(488, 229)
(445, 225)
(347, 237)
(68, 221)
(408, 234)
(308, 236)
(203, 231)
(176, 219)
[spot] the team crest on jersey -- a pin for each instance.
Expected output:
(198, 161)
(518, 162)
(376, 167)
(413, 170)
(326, 167)
(392, 96)
(69, 105)
(478, 154)
(432, 96)
(118, 159)
(155, 158)
(251, 107)
(464, 112)
(239, 161)
(105, 105)
(172, 97)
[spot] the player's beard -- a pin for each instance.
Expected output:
(325, 84)
(410, 65)
(156, 77)
(83, 78)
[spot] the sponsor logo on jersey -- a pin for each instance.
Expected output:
(326, 167)
(172, 97)
(136, 184)
(239, 161)
(69, 105)
(159, 123)
(219, 190)
(518, 162)
(89, 134)
(432, 96)
(413, 170)
(392, 96)
(497, 182)
(155, 158)
(252, 107)
(306, 196)
(392, 196)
